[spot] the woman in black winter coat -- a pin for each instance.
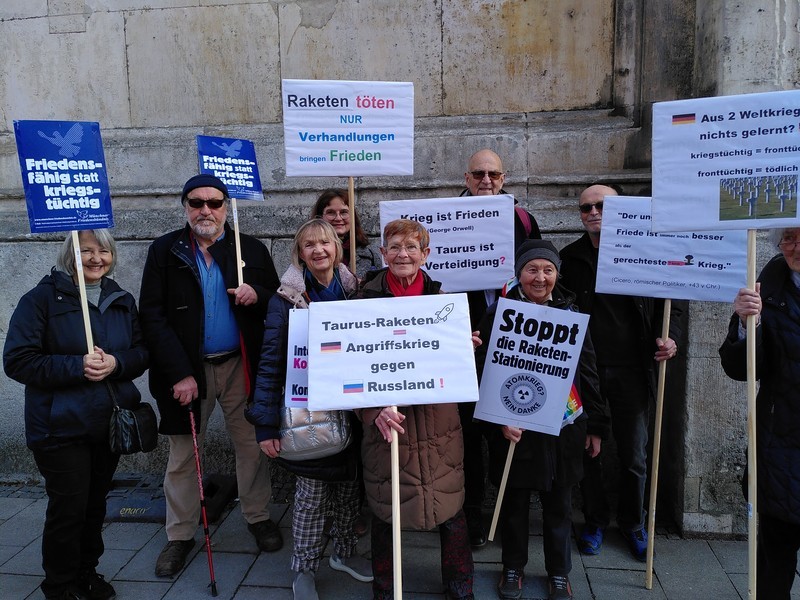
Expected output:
(546, 463)
(69, 397)
(776, 303)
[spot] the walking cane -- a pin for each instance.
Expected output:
(202, 503)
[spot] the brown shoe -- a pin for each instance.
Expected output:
(173, 557)
(268, 536)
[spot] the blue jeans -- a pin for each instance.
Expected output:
(627, 391)
(77, 479)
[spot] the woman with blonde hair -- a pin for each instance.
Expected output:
(316, 275)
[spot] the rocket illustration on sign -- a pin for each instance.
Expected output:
(442, 314)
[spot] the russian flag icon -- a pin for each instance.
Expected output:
(353, 387)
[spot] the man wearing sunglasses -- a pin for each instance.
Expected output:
(204, 332)
(484, 177)
(624, 332)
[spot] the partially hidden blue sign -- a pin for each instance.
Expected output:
(64, 175)
(234, 162)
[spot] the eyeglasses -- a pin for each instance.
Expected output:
(213, 204)
(587, 208)
(410, 249)
(788, 245)
(343, 214)
(493, 175)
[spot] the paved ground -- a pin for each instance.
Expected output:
(684, 569)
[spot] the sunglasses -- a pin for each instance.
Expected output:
(587, 208)
(213, 204)
(493, 175)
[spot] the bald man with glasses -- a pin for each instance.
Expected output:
(625, 332)
(484, 177)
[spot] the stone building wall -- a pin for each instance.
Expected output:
(561, 90)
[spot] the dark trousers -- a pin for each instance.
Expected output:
(474, 473)
(776, 557)
(457, 566)
(556, 528)
(628, 394)
(77, 479)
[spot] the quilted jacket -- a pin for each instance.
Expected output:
(778, 400)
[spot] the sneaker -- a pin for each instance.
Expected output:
(173, 557)
(591, 540)
(637, 543)
(356, 566)
(94, 586)
(304, 586)
(477, 535)
(510, 586)
(268, 536)
(558, 588)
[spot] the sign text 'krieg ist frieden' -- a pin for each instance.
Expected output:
(390, 351)
(471, 248)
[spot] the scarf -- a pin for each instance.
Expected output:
(320, 293)
(397, 289)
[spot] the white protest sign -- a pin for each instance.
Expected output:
(635, 261)
(726, 163)
(390, 351)
(295, 394)
(348, 128)
(472, 239)
(531, 361)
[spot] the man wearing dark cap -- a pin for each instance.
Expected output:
(204, 332)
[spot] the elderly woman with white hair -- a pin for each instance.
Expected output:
(70, 392)
(549, 464)
(776, 303)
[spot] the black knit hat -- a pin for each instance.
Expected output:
(531, 249)
(203, 180)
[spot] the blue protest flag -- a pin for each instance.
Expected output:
(234, 162)
(63, 175)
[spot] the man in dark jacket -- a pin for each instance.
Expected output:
(625, 332)
(204, 331)
(484, 177)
